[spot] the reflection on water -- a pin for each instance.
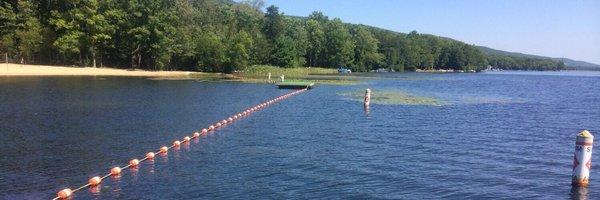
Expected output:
(95, 189)
(149, 166)
(134, 170)
(494, 136)
(579, 193)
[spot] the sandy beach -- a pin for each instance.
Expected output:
(44, 70)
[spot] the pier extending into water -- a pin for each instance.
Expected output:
(115, 171)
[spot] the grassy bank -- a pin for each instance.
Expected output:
(259, 73)
(262, 71)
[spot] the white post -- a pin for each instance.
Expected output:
(282, 78)
(269, 76)
(582, 161)
(367, 97)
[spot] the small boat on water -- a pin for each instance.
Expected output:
(343, 70)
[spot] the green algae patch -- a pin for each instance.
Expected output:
(392, 97)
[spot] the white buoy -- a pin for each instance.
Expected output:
(582, 159)
(367, 97)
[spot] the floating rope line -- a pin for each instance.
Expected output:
(115, 171)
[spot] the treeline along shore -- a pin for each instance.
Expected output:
(221, 36)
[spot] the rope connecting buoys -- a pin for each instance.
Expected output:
(115, 171)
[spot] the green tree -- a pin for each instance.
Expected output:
(211, 52)
(284, 52)
(238, 52)
(150, 33)
(82, 29)
(8, 24)
(366, 51)
(274, 23)
(339, 46)
(299, 36)
(316, 42)
(28, 33)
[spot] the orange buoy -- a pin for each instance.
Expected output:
(134, 162)
(211, 127)
(196, 134)
(150, 155)
(186, 139)
(95, 181)
(63, 194)
(164, 149)
(176, 143)
(115, 171)
(204, 131)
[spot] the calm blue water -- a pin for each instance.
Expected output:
(496, 135)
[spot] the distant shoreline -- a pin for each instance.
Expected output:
(16, 70)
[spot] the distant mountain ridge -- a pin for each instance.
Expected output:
(570, 63)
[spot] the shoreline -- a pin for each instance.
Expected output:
(321, 76)
(22, 70)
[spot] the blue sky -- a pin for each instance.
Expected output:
(569, 28)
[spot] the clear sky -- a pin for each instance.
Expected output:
(569, 28)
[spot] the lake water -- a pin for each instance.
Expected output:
(489, 135)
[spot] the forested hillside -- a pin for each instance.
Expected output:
(568, 63)
(221, 36)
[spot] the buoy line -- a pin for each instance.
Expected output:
(115, 171)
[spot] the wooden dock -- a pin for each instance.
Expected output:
(295, 85)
